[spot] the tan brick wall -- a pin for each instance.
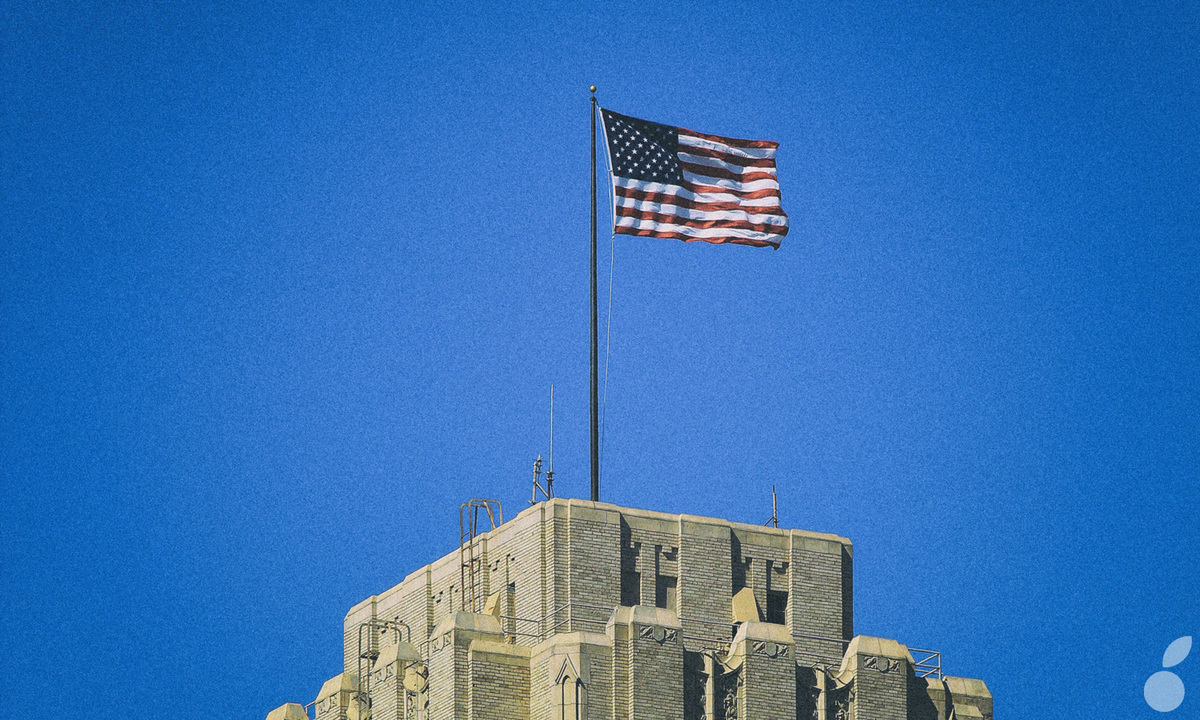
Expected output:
(499, 681)
(768, 671)
(881, 695)
(705, 581)
(387, 694)
(651, 643)
(594, 566)
(584, 656)
(819, 603)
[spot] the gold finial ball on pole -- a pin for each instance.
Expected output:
(592, 88)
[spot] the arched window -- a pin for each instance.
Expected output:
(571, 700)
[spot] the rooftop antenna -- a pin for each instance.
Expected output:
(774, 519)
(550, 472)
(548, 491)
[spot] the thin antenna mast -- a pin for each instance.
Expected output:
(548, 491)
(550, 472)
(774, 519)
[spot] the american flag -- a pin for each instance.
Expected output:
(671, 182)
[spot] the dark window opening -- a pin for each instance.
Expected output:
(511, 611)
(631, 588)
(664, 592)
(777, 607)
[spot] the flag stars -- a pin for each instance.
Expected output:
(642, 150)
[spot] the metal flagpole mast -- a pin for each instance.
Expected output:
(595, 405)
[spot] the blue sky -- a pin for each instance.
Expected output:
(281, 286)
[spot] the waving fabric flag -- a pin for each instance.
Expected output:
(671, 182)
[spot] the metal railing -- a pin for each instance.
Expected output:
(368, 646)
(927, 663)
(548, 624)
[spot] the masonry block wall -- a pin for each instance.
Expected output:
(575, 675)
(577, 610)
(651, 684)
(338, 698)
(387, 690)
(563, 564)
(820, 586)
(879, 670)
(765, 655)
(498, 688)
(593, 568)
(705, 579)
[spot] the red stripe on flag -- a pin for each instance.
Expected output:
(670, 219)
(744, 194)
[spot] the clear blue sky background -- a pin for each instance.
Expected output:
(281, 286)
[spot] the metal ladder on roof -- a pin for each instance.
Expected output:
(471, 576)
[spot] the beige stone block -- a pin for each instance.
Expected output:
(492, 606)
(745, 606)
(396, 652)
(768, 632)
(339, 699)
(702, 527)
(829, 545)
(644, 615)
(581, 510)
(288, 711)
(968, 687)
(660, 523)
(971, 697)
(882, 647)
(499, 652)
(467, 626)
(342, 682)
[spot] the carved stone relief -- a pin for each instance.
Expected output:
(882, 664)
(728, 690)
(660, 635)
(771, 650)
(841, 702)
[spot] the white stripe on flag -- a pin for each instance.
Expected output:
(734, 185)
(724, 165)
(691, 214)
(697, 232)
(761, 153)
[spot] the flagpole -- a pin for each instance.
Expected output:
(595, 405)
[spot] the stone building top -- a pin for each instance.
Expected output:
(640, 519)
(579, 610)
